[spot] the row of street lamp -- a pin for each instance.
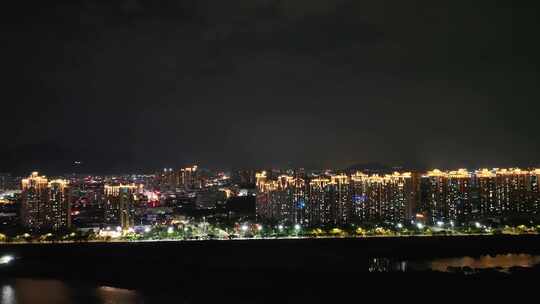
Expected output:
(297, 227)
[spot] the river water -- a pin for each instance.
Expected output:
(23, 291)
(500, 262)
(44, 291)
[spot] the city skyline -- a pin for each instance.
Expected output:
(287, 197)
(269, 151)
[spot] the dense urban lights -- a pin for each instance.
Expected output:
(435, 197)
(288, 203)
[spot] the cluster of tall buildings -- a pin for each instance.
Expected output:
(460, 194)
(448, 196)
(185, 178)
(6, 181)
(44, 203)
(120, 203)
(336, 199)
(297, 197)
(123, 202)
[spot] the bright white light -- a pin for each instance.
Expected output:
(118, 228)
(452, 223)
(170, 230)
(296, 227)
(147, 229)
(399, 225)
(420, 225)
(280, 227)
(244, 228)
(440, 223)
(6, 259)
(477, 224)
(260, 227)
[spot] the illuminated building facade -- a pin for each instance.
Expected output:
(282, 199)
(5, 180)
(59, 204)
(45, 205)
(168, 179)
(120, 206)
(448, 195)
(458, 196)
(187, 178)
(336, 200)
(389, 198)
(244, 177)
(465, 196)
(317, 203)
(485, 183)
(513, 188)
(535, 191)
(460, 205)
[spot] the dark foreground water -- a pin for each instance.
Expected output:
(42, 291)
(274, 271)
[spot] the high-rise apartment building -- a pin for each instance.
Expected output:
(120, 207)
(45, 205)
(335, 199)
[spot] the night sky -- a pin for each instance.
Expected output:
(131, 86)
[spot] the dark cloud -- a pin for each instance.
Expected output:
(128, 85)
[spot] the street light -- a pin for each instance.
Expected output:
(147, 229)
(170, 230)
(399, 225)
(440, 223)
(6, 259)
(420, 225)
(478, 225)
(297, 227)
(244, 228)
(280, 227)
